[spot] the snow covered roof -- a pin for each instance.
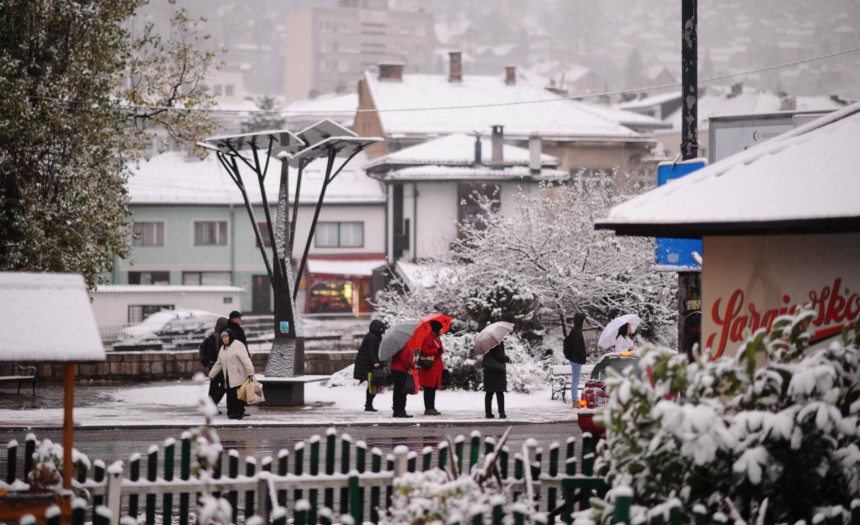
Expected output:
(806, 180)
(49, 319)
(146, 288)
(424, 275)
(178, 178)
(457, 149)
(627, 118)
(750, 102)
(646, 102)
(471, 173)
(492, 103)
(345, 267)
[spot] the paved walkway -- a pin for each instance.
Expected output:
(174, 405)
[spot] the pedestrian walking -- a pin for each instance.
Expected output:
(235, 326)
(495, 379)
(574, 351)
(209, 350)
(402, 364)
(367, 359)
(431, 378)
(235, 363)
(624, 341)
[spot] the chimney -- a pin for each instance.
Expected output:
(737, 89)
(455, 67)
(391, 72)
(787, 103)
(510, 76)
(535, 146)
(478, 153)
(497, 160)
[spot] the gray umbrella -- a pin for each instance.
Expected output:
(396, 337)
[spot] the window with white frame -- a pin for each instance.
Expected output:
(207, 278)
(210, 233)
(148, 233)
(339, 235)
(153, 278)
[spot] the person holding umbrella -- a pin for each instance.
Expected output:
(401, 366)
(623, 341)
(495, 379)
(431, 378)
(574, 351)
(367, 359)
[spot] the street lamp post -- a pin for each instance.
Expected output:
(285, 367)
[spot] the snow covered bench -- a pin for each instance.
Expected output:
(28, 373)
(560, 381)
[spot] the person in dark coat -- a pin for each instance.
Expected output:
(235, 326)
(402, 364)
(213, 348)
(574, 351)
(431, 378)
(367, 358)
(235, 363)
(495, 379)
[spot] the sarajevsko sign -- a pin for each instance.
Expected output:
(748, 282)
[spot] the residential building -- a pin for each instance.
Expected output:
(433, 187)
(579, 138)
(192, 229)
(327, 48)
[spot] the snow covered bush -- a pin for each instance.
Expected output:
(47, 471)
(467, 371)
(769, 435)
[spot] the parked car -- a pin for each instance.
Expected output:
(595, 394)
(168, 324)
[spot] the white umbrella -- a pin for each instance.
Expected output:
(491, 336)
(610, 333)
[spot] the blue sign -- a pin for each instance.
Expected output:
(677, 254)
(285, 327)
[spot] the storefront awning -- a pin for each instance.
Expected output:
(344, 267)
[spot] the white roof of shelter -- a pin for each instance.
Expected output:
(178, 178)
(806, 180)
(433, 172)
(457, 149)
(479, 102)
(345, 267)
(50, 319)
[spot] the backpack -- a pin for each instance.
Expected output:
(208, 351)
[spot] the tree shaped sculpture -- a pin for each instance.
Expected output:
(323, 140)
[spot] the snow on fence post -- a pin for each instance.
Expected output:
(568, 491)
(587, 454)
(283, 469)
(474, 449)
(529, 450)
(279, 516)
(345, 447)
(389, 466)
(498, 509)
(134, 475)
(79, 511)
(855, 511)
(101, 515)
(233, 473)
(356, 502)
(360, 466)
(262, 490)
(329, 467)
(29, 450)
(411, 461)
(184, 474)
(11, 461)
(266, 464)
(675, 512)
(216, 473)
(443, 455)
(301, 512)
(426, 458)
(98, 477)
(623, 498)
(151, 473)
(314, 470)
(552, 492)
(298, 462)
(489, 445)
(167, 499)
(250, 471)
(113, 491)
(519, 510)
(459, 446)
(401, 454)
(504, 457)
(570, 453)
(476, 515)
(52, 515)
(375, 466)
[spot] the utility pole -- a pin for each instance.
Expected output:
(689, 283)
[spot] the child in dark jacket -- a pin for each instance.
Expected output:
(495, 379)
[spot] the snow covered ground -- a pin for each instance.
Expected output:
(174, 405)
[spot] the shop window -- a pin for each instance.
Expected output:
(339, 235)
(210, 233)
(149, 233)
(155, 278)
(207, 278)
(139, 312)
(331, 297)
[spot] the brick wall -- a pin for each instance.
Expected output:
(156, 366)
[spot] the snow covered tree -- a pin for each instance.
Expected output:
(267, 118)
(83, 95)
(767, 436)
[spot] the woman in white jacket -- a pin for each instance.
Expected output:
(236, 365)
(623, 341)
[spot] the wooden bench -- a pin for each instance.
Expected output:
(560, 381)
(28, 373)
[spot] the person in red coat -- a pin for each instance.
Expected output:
(431, 378)
(401, 366)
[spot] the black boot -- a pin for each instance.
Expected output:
(500, 398)
(488, 405)
(491, 416)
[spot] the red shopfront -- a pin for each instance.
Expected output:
(340, 286)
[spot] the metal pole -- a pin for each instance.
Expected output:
(68, 423)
